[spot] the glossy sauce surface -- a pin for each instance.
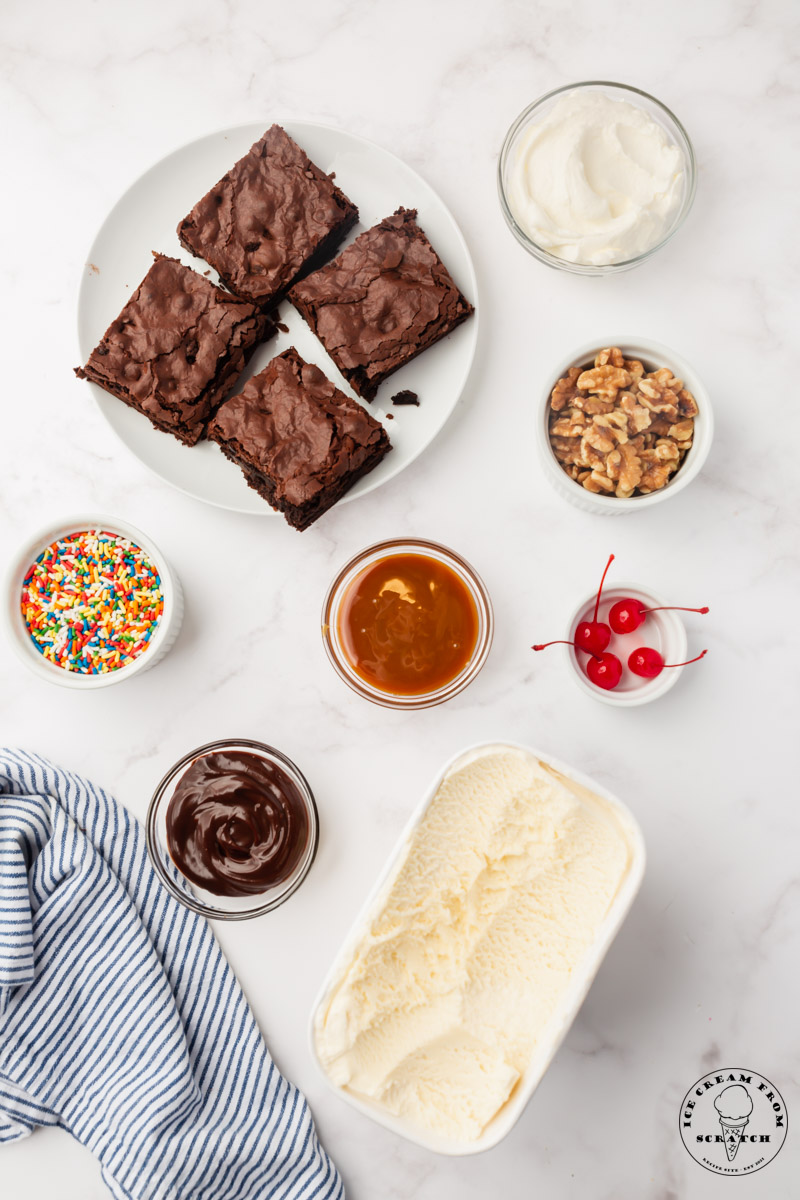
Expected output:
(236, 824)
(408, 624)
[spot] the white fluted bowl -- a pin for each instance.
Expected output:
(654, 355)
(14, 623)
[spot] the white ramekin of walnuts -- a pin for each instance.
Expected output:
(625, 424)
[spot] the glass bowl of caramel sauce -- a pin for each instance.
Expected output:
(407, 623)
(232, 829)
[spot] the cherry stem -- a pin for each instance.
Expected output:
(702, 654)
(562, 642)
(672, 608)
(600, 589)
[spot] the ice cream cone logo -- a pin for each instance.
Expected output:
(733, 1121)
(732, 1131)
(734, 1106)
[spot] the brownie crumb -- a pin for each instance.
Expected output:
(406, 397)
(390, 416)
(283, 328)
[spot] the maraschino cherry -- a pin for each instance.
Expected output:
(593, 636)
(627, 615)
(648, 663)
(603, 669)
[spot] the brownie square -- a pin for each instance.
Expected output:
(273, 217)
(387, 297)
(176, 349)
(300, 442)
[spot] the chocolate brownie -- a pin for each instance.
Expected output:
(176, 349)
(384, 299)
(272, 218)
(300, 442)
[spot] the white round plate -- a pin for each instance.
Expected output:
(146, 218)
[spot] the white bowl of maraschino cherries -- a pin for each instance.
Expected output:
(625, 646)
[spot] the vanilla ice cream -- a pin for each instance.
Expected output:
(595, 180)
(469, 950)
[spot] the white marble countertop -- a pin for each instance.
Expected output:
(704, 972)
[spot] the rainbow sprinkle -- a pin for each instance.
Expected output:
(92, 602)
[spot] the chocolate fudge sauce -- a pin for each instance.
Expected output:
(236, 824)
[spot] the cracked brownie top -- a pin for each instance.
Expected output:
(176, 348)
(384, 299)
(268, 219)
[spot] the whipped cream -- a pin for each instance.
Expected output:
(596, 180)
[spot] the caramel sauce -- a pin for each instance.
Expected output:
(408, 624)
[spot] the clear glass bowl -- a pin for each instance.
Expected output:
(619, 91)
(226, 908)
(338, 590)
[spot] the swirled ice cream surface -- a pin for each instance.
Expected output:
(470, 947)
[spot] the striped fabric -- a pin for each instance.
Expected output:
(120, 1020)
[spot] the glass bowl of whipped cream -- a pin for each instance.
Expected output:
(596, 177)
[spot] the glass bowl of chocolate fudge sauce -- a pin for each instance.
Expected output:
(232, 829)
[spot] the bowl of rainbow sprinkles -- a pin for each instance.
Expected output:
(90, 601)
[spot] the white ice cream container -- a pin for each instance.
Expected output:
(573, 998)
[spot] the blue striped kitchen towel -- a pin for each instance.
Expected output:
(121, 1021)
